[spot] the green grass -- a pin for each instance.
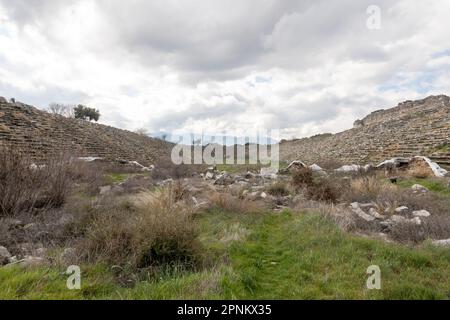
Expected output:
(263, 256)
(431, 184)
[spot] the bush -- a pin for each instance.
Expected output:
(156, 230)
(302, 178)
(83, 112)
(321, 189)
(233, 204)
(278, 189)
(26, 187)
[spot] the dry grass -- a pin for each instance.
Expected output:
(230, 203)
(278, 189)
(315, 188)
(27, 188)
(154, 230)
(366, 189)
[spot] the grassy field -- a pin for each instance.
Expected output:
(262, 256)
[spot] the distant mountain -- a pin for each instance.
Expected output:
(208, 138)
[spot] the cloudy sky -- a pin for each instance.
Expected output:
(305, 66)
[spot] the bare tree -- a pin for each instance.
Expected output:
(65, 110)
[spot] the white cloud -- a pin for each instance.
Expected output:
(302, 66)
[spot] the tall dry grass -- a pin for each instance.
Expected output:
(25, 187)
(155, 229)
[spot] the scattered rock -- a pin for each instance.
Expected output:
(269, 173)
(209, 176)
(295, 165)
(443, 242)
(374, 213)
(398, 219)
(401, 209)
(250, 175)
(224, 180)
(29, 226)
(30, 261)
(105, 190)
(5, 256)
(315, 167)
(360, 213)
(421, 213)
(419, 187)
(263, 195)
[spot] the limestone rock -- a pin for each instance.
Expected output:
(419, 187)
(421, 213)
(443, 242)
(401, 209)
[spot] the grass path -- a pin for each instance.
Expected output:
(279, 256)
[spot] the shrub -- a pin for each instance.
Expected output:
(25, 187)
(230, 203)
(83, 112)
(321, 189)
(156, 230)
(302, 178)
(278, 189)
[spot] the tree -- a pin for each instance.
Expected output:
(83, 112)
(65, 110)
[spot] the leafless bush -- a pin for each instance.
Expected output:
(302, 178)
(156, 230)
(278, 189)
(230, 203)
(26, 187)
(319, 189)
(433, 227)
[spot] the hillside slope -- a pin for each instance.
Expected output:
(419, 127)
(43, 134)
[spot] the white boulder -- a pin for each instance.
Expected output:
(421, 213)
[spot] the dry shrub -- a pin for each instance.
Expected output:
(278, 189)
(366, 189)
(302, 178)
(137, 183)
(156, 230)
(433, 227)
(393, 197)
(165, 169)
(25, 187)
(230, 203)
(323, 190)
(319, 189)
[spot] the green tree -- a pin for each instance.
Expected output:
(85, 113)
